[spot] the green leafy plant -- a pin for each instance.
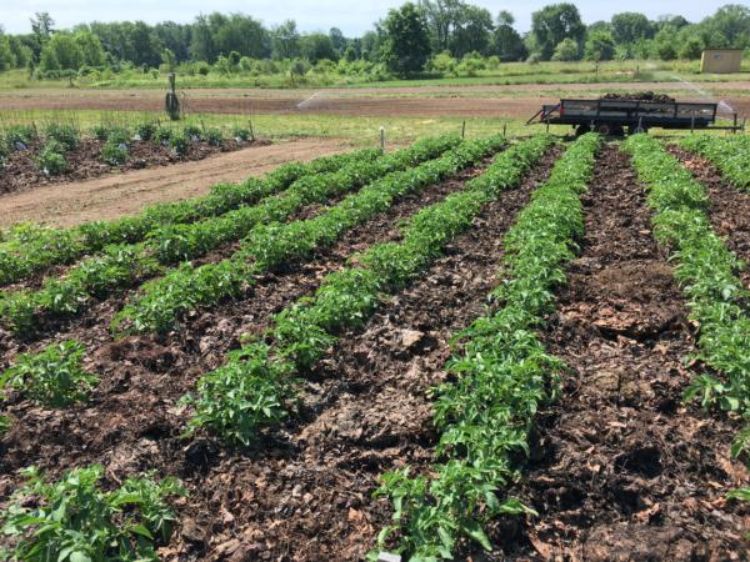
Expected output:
(100, 131)
(23, 134)
(146, 130)
(730, 154)
(76, 520)
(163, 135)
(304, 331)
(180, 143)
(53, 377)
(241, 133)
(214, 137)
(502, 374)
(64, 133)
(51, 159)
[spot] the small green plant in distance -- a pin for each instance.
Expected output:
(23, 134)
(115, 150)
(241, 133)
(51, 160)
(191, 131)
(4, 424)
(53, 377)
(76, 520)
(100, 131)
(162, 135)
(146, 130)
(66, 134)
(214, 137)
(180, 143)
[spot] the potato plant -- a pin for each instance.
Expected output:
(163, 301)
(53, 377)
(502, 375)
(305, 330)
(42, 248)
(730, 155)
(77, 519)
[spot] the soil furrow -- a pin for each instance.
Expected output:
(623, 470)
(133, 421)
(364, 410)
(730, 208)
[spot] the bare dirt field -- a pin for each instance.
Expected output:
(515, 101)
(128, 193)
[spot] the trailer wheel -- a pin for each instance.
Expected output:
(582, 130)
(604, 129)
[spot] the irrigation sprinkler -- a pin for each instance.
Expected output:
(171, 103)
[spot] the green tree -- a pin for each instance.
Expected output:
(732, 22)
(61, 52)
(472, 31)
(168, 59)
(201, 41)
(91, 48)
(285, 41)
(599, 46)
(506, 41)
(42, 25)
(7, 58)
(551, 25)
(566, 50)
(407, 41)
(629, 27)
(665, 43)
(317, 46)
(338, 41)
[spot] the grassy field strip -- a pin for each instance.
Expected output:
(124, 266)
(502, 373)
(161, 303)
(731, 155)
(707, 272)
(30, 249)
(253, 388)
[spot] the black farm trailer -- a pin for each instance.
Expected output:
(614, 116)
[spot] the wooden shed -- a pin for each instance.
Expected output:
(721, 61)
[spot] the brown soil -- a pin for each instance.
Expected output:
(128, 193)
(22, 173)
(133, 423)
(454, 101)
(730, 207)
(622, 469)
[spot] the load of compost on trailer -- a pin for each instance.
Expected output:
(640, 96)
(614, 114)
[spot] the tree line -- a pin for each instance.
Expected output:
(430, 35)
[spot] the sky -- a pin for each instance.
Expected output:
(319, 15)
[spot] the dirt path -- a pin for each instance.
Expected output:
(427, 101)
(623, 470)
(128, 193)
(364, 410)
(730, 207)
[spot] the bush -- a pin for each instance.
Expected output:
(214, 137)
(75, 520)
(115, 153)
(180, 143)
(241, 133)
(162, 135)
(66, 134)
(146, 131)
(191, 131)
(51, 160)
(101, 132)
(53, 377)
(19, 133)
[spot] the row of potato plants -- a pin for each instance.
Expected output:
(126, 265)
(731, 155)
(257, 384)
(500, 376)
(30, 249)
(707, 271)
(161, 303)
(76, 518)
